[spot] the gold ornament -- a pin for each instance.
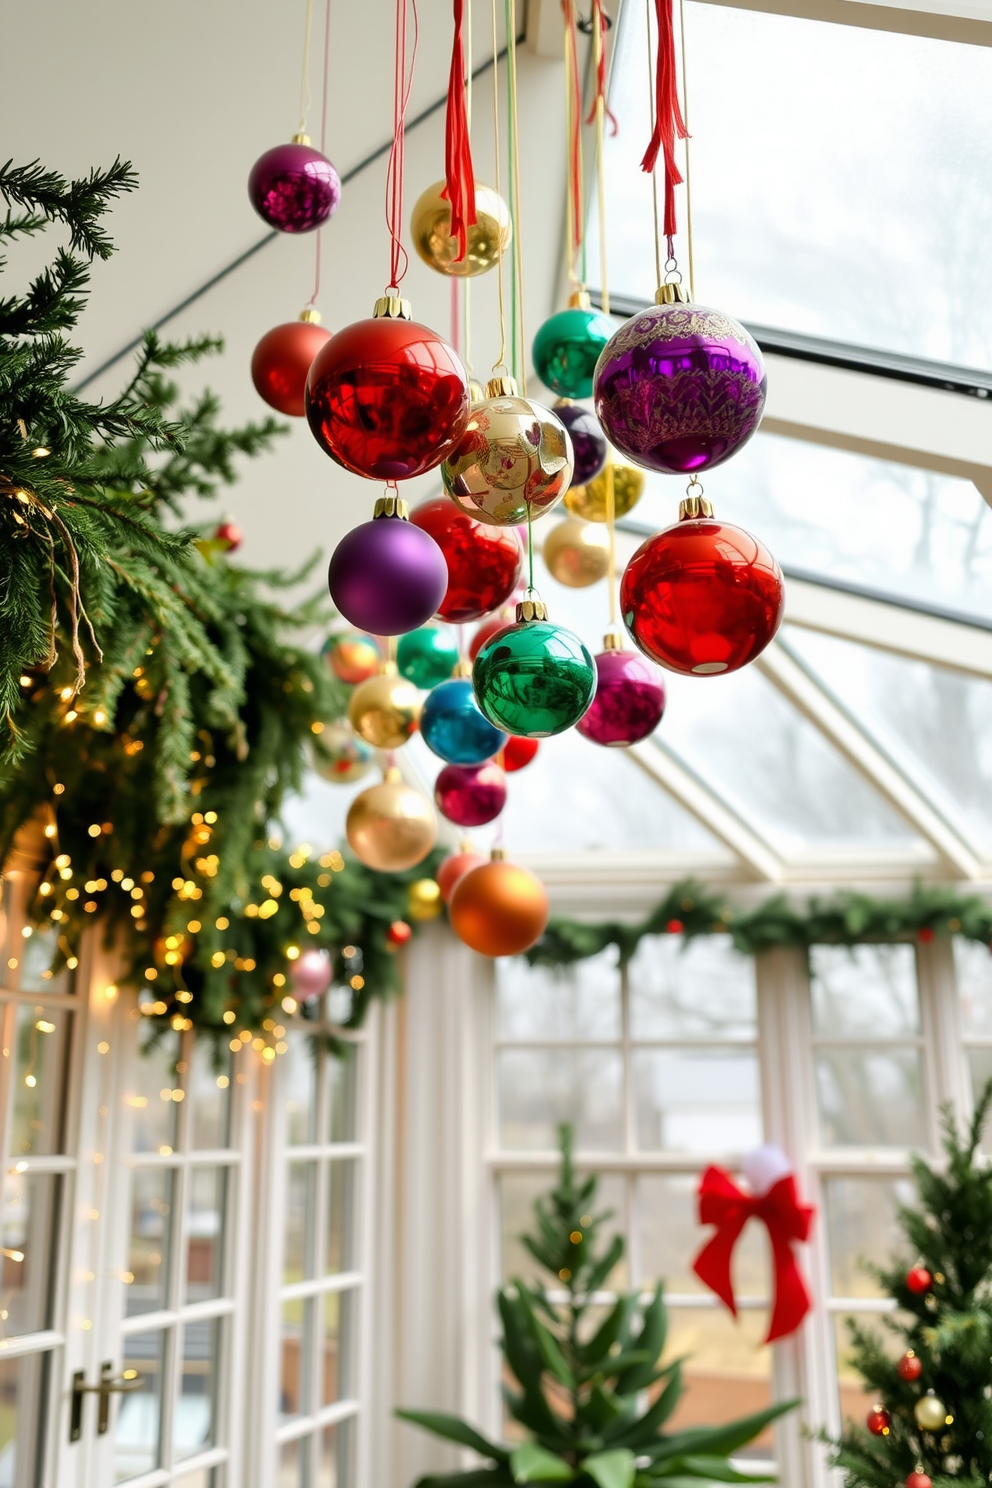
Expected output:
(515, 457)
(577, 553)
(339, 756)
(391, 826)
(590, 501)
(930, 1413)
(423, 900)
(384, 710)
(430, 228)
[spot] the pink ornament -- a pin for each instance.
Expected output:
(311, 975)
(629, 701)
(471, 795)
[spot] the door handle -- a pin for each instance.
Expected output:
(108, 1385)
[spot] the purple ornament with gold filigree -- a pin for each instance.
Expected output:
(629, 701)
(680, 388)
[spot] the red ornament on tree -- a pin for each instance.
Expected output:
(484, 562)
(488, 629)
(398, 933)
(282, 359)
(517, 753)
(878, 1421)
(230, 536)
(918, 1480)
(387, 398)
(909, 1367)
(702, 597)
(919, 1280)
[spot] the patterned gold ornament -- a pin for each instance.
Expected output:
(515, 457)
(391, 826)
(577, 553)
(384, 710)
(590, 501)
(930, 1413)
(423, 900)
(430, 229)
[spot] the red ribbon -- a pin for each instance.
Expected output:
(723, 1204)
(668, 119)
(599, 20)
(459, 176)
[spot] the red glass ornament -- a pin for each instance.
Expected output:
(453, 869)
(702, 597)
(281, 361)
(230, 534)
(878, 1421)
(488, 629)
(517, 753)
(484, 562)
(387, 399)
(919, 1480)
(909, 1367)
(470, 795)
(919, 1280)
(398, 933)
(926, 935)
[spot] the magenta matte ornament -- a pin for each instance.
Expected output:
(679, 388)
(629, 701)
(470, 795)
(387, 577)
(310, 975)
(294, 188)
(588, 441)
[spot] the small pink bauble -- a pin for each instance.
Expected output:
(311, 975)
(471, 795)
(629, 701)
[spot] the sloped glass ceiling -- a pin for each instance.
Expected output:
(839, 180)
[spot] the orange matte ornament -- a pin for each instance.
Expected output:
(499, 909)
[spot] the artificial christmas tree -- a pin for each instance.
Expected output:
(931, 1416)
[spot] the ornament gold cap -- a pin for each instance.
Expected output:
(391, 506)
(391, 307)
(388, 668)
(498, 855)
(563, 403)
(466, 845)
(613, 641)
(695, 506)
(672, 292)
(475, 392)
(300, 139)
(531, 609)
(579, 299)
(311, 315)
(501, 387)
(392, 775)
(463, 669)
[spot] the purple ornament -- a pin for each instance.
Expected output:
(679, 388)
(310, 975)
(629, 701)
(387, 576)
(470, 795)
(588, 440)
(294, 188)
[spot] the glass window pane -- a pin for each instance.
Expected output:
(517, 1192)
(342, 1083)
(541, 1088)
(870, 1097)
(37, 952)
(542, 1003)
(867, 990)
(151, 1238)
(298, 1249)
(291, 1462)
(40, 1076)
(193, 1426)
(205, 1204)
(973, 966)
(25, 1385)
(209, 1085)
(980, 1069)
(670, 1238)
(341, 1177)
(334, 1465)
(296, 1330)
(136, 1434)
(299, 1077)
(149, 1095)
(727, 1372)
(205, 1477)
(705, 1101)
(695, 988)
(29, 1228)
(337, 1345)
(860, 1216)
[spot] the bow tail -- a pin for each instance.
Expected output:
(792, 1301)
(712, 1264)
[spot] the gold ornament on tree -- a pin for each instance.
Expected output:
(423, 900)
(589, 501)
(384, 710)
(577, 553)
(391, 826)
(488, 237)
(931, 1413)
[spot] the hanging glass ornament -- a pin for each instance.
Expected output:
(453, 727)
(589, 446)
(310, 975)
(919, 1280)
(455, 867)
(577, 553)
(387, 398)
(490, 626)
(423, 900)
(499, 909)
(470, 795)
(398, 934)
(391, 826)
(931, 1412)
(387, 576)
(427, 657)
(534, 678)
(919, 1480)
(487, 237)
(282, 359)
(514, 457)
(352, 657)
(340, 756)
(384, 710)
(228, 536)
(484, 562)
(517, 753)
(680, 387)
(294, 188)
(589, 502)
(702, 597)
(878, 1421)
(910, 1366)
(629, 701)
(568, 346)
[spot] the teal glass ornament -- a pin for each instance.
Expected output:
(454, 728)
(426, 657)
(567, 348)
(534, 678)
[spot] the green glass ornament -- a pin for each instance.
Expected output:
(567, 348)
(534, 678)
(426, 657)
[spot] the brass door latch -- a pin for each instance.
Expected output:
(109, 1385)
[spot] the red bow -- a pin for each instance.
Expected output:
(723, 1204)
